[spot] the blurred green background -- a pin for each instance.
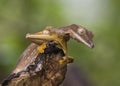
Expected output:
(102, 17)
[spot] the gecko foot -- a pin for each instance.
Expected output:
(66, 60)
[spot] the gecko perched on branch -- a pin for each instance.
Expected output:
(61, 36)
(44, 62)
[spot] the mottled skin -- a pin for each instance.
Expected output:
(61, 35)
(58, 35)
(48, 50)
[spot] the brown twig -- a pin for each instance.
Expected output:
(44, 62)
(45, 70)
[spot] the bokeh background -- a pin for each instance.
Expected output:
(101, 65)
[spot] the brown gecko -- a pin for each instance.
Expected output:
(48, 50)
(60, 36)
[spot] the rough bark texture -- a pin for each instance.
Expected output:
(46, 64)
(44, 70)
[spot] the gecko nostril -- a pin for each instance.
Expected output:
(92, 45)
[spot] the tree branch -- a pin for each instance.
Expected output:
(45, 64)
(45, 70)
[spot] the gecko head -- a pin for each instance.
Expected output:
(76, 32)
(81, 34)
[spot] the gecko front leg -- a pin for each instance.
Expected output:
(61, 36)
(47, 35)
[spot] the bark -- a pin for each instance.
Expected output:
(44, 70)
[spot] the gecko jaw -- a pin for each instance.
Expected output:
(80, 39)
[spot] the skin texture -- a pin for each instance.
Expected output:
(44, 62)
(62, 35)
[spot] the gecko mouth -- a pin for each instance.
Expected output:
(92, 45)
(88, 43)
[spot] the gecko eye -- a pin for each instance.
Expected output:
(81, 31)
